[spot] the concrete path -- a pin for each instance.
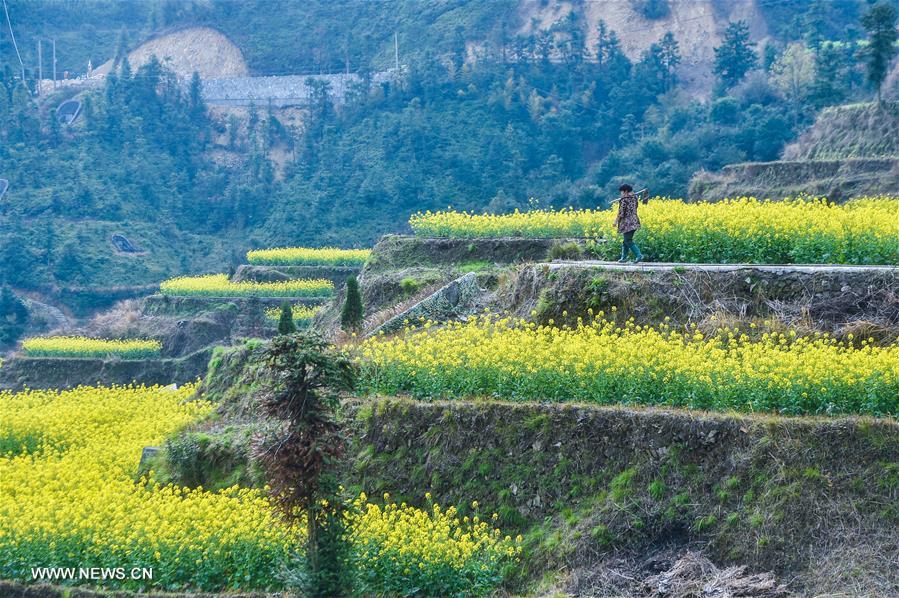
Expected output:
(664, 267)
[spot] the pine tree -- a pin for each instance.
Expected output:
(286, 324)
(880, 22)
(351, 316)
(303, 460)
(736, 54)
(670, 57)
(830, 66)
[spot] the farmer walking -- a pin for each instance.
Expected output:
(627, 223)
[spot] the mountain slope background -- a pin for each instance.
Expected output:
(503, 104)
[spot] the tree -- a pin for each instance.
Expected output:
(651, 9)
(351, 315)
(302, 452)
(880, 23)
(736, 55)
(651, 71)
(769, 56)
(195, 103)
(830, 66)
(286, 324)
(669, 56)
(15, 317)
(609, 54)
(793, 73)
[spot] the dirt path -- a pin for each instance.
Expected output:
(668, 266)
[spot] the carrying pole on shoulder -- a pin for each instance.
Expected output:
(642, 195)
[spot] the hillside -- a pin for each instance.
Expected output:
(610, 500)
(499, 105)
(555, 422)
(355, 298)
(200, 50)
(698, 25)
(850, 131)
(849, 151)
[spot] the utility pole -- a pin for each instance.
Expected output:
(54, 63)
(40, 67)
(396, 50)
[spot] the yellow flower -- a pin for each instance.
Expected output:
(798, 230)
(327, 256)
(79, 346)
(603, 362)
(218, 285)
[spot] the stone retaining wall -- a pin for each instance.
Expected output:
(259, 273)
(21, 372)
(825, 298)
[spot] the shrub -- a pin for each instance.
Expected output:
(352, 313)
(565, 251)
(302, 314)
(14, 319)
(285, 323)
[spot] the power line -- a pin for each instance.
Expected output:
(13, 36)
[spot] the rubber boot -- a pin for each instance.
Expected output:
(638, 257)
(623, 253)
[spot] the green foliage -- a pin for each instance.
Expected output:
(475, 266)
(567, 132)
(352, 312)
(13, 317)
(736, 55)
(305, 375)
(725, 111)
(651, 9)
(565, 251)
(286, 324)
(880, 23)
(410, 285)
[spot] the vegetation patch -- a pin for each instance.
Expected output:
(91, 348)
(601, 362)
(306, 256)
(302, 314)
(586, 483)
(195, 538)
(218, 285)
(743, 230)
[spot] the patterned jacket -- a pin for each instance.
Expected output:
(627, 220)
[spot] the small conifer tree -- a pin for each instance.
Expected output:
(351, 316)
(286, 324)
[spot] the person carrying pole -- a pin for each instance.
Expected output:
(627, 222)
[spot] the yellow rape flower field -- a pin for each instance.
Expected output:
(307, 256)
(218, 285)
(79, 346)
(68, 498)
(741, 230)
(601, 362)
